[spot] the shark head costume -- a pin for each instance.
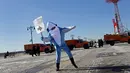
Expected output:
(56, 35)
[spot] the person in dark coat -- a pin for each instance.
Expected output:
(34, 51)
(38, 50)
(100, 42)
(6, 54)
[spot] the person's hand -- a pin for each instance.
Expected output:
(74, 26)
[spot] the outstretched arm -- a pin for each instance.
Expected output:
(66, 29)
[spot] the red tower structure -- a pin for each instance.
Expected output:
(120, 27)
(122, 34)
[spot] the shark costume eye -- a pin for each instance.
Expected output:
(53, 28)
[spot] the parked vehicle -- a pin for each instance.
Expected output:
(77, 43)
(47, 48)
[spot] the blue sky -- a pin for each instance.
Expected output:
(92, 18)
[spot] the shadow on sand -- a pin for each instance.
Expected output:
(113, 68)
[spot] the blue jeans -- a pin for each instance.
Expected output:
(58, 52)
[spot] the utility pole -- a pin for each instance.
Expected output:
(31, 28)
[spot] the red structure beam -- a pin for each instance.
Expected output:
(112, 1)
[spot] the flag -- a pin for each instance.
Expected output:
(39, 25)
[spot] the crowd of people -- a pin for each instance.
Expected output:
(96, 44)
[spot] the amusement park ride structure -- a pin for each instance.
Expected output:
(121, 34)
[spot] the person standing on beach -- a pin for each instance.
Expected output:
(56, 36)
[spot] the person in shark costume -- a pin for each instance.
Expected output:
(56, 36)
